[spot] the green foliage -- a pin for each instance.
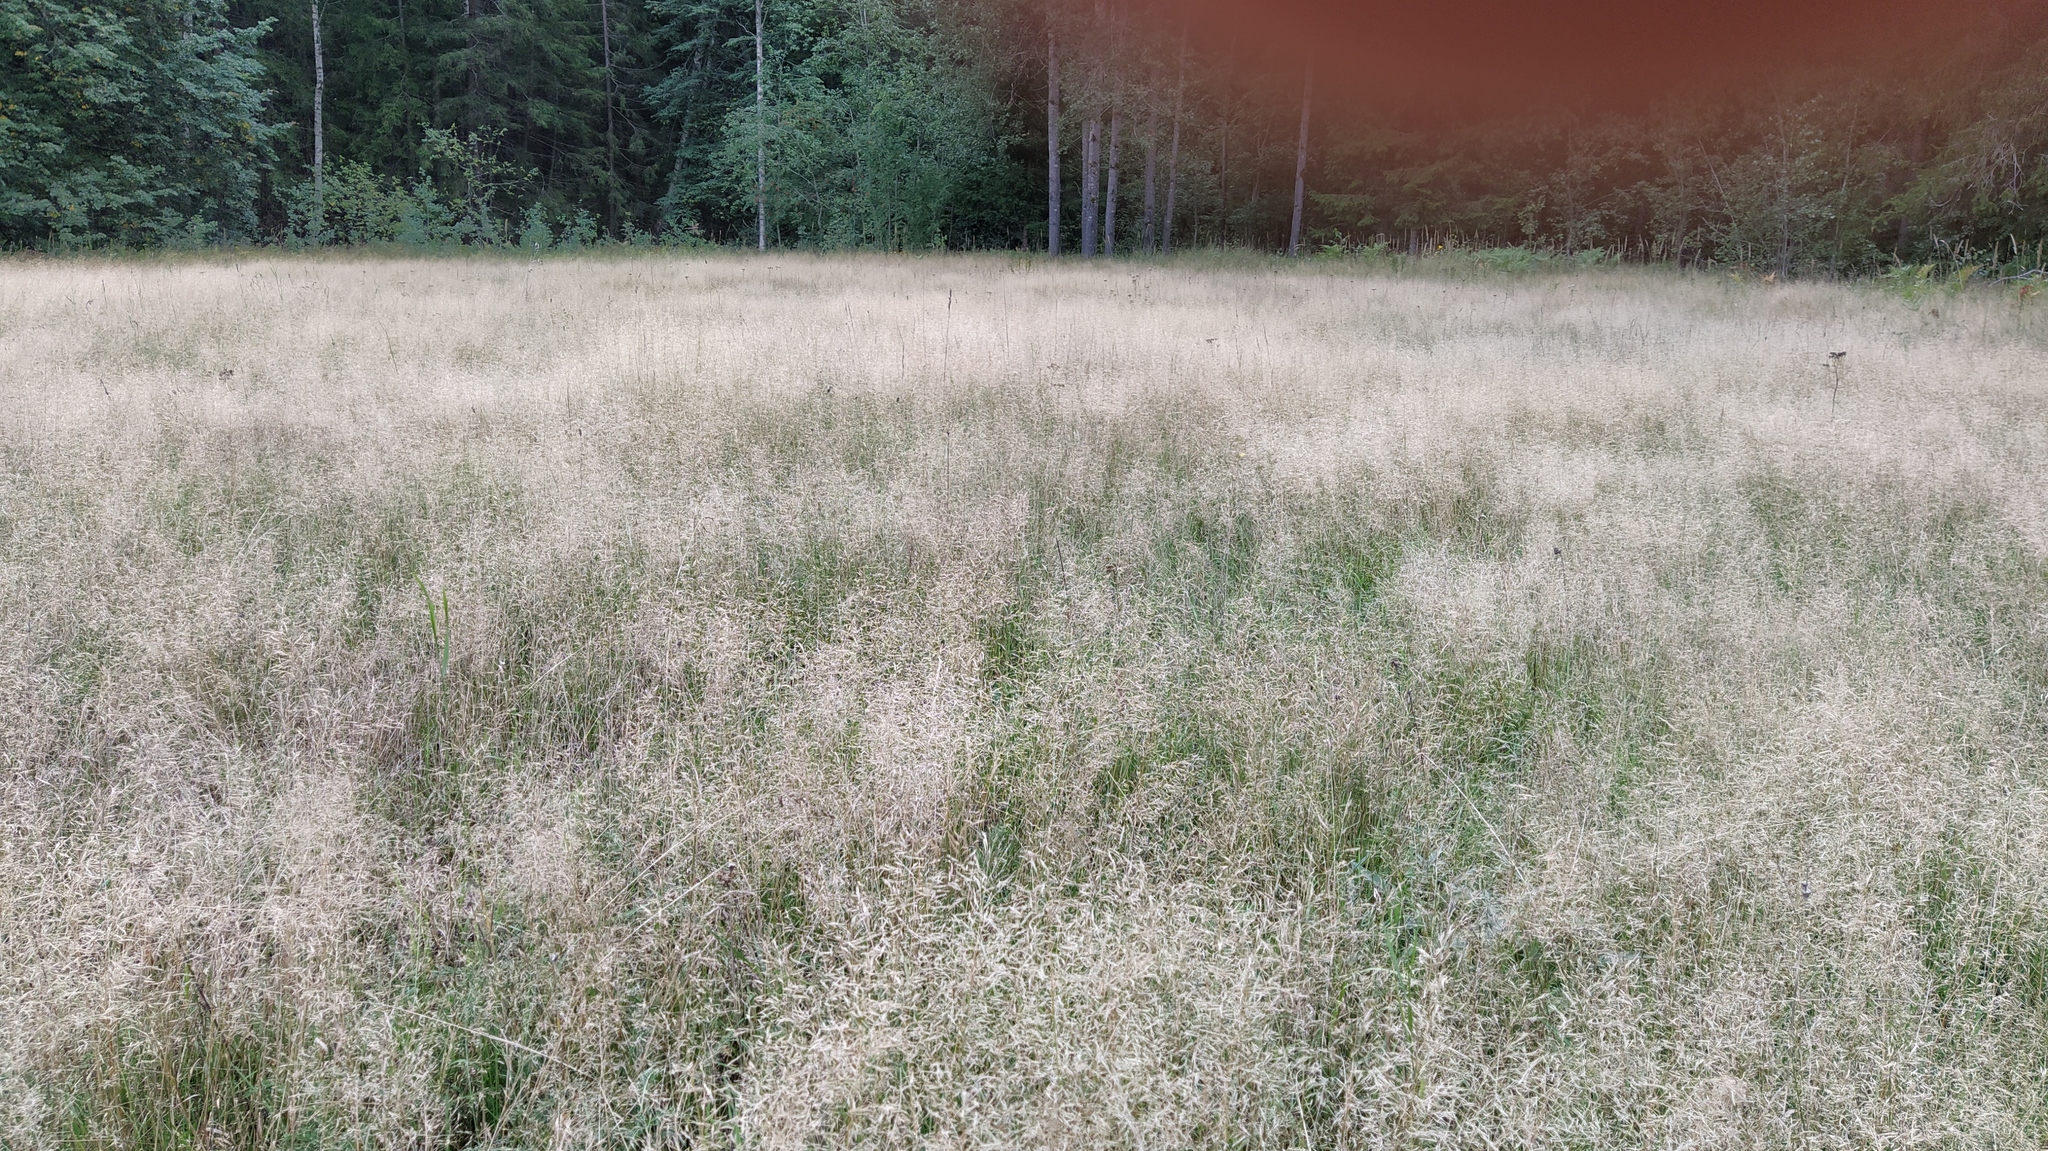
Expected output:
(1510, 259)
(875, 126)
(138, 126)
(481, 181)
(878, 127)
(1916, 282)
(916, 124)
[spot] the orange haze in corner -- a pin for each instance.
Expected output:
(1487, 57)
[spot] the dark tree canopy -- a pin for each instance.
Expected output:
(910, 124)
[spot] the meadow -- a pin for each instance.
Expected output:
(642, 701)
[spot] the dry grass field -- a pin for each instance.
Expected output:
(659, 702)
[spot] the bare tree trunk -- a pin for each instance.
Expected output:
(1784, 260)
(404, 76)
(1091, 147)
(611, 147)
(1091, 182)
(1148, 236)
(1301, 163)
(1222, 188)
(760, 135)
(319, 132)
(1683, 182)
(1223, 154)
(1052, 140)
(1109, 193)
(1173, 154)
(1842, 198)
(474, 79)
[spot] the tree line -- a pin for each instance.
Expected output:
(1090, 127)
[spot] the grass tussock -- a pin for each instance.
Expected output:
(659, 703)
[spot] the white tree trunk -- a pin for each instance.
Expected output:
(760, 135)
(319, 131)
(1052, 139)
(1091, 182)
(1301, 164)
(611, 148)
(1180, 88)
(1148, 238)
(1109, 192)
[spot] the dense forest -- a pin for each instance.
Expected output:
(1084, 126)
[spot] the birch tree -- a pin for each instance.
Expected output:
(1109, 192)
(1148, 236)
(1111, 93)
(319, 131)
(611, 138)
(1091, 144)
(1223, 154)
(760, 135)
(1052, 136)
(1091, 180)
(1180, 88)
(1308, 84)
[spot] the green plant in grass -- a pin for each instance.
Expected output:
(440, 630)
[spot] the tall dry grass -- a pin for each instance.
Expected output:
(975, 703)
